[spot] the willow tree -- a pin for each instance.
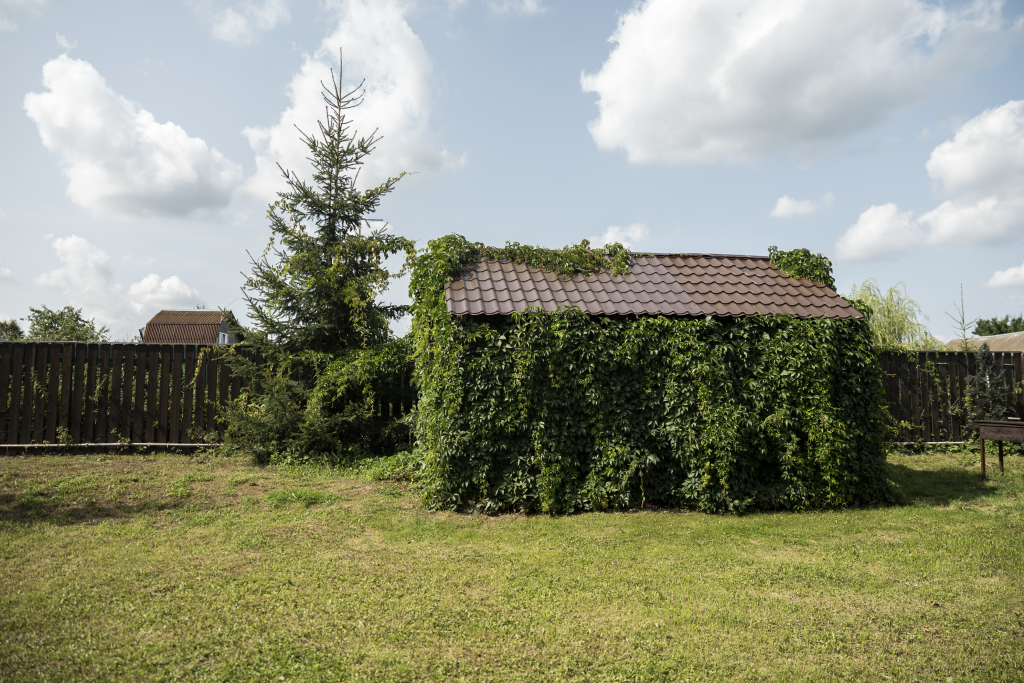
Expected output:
(895, 320)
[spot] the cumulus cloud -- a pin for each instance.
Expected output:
(86, 277)
(382, 48)
(152, 293)
(787, 207)
(118, 160)
(980, 170)
(880, 232)
(724, 80)
(8, 8)
(242, 22)
(632, 236)
(1011, 277)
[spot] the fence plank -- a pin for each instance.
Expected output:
(211, 391)
(188, 387)
(66, 380)
(92, 361)
(104, 380)
(139, 397)
(1018, 385)
(164, 377)
(942, 365)
(152, 382)
(17, 384)
(77, 392)
(114, 395)
(39, 389)
(5, 379)
(53, 368)
(177, 361)
(924, 377)
(222, 394)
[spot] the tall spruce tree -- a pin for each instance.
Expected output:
(315, 287)
(313, 295)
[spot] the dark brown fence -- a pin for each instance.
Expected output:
(78, 393)
(925, 390)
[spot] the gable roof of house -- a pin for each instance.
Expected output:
(1012, 341)
(691, 285)
(184, 327)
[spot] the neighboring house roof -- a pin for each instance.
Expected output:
(1014, 341)
(186, 327)
(690, 285)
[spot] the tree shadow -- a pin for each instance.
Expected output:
(944, 485)
(28, 508)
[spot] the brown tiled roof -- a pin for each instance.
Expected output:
(183, 327)
(190, 317)
(658, 284)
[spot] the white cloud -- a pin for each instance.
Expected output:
(787, 207)
(881, 232)
(7, 7)
(1011, 277)
(243, 22)
(151, 294)
(5, 273)
(119, 161)
(526, 7)
(632, 236)
(380, 47)
(64, 44)
(725, 80)
(87, 279)
(981, 170)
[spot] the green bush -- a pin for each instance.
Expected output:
(562, 412)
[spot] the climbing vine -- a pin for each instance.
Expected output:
(561, 412)
(801, 263)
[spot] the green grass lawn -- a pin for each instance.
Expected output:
(170, 568)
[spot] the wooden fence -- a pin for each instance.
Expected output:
(77, 393)
(924, 391)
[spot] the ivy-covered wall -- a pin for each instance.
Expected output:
(561, 412)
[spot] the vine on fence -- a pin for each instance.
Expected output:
(560, 411)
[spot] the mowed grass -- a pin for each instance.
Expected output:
(170, 568)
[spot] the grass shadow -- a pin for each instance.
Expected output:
(940, 486)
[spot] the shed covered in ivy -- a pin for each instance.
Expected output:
(584, 379)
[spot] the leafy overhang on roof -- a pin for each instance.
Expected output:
(691, 285)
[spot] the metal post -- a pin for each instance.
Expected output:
(1000, 457)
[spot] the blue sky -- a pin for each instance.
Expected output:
(139, 139)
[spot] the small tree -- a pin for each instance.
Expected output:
(986, 390)
(65, 324)
(10, 330)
